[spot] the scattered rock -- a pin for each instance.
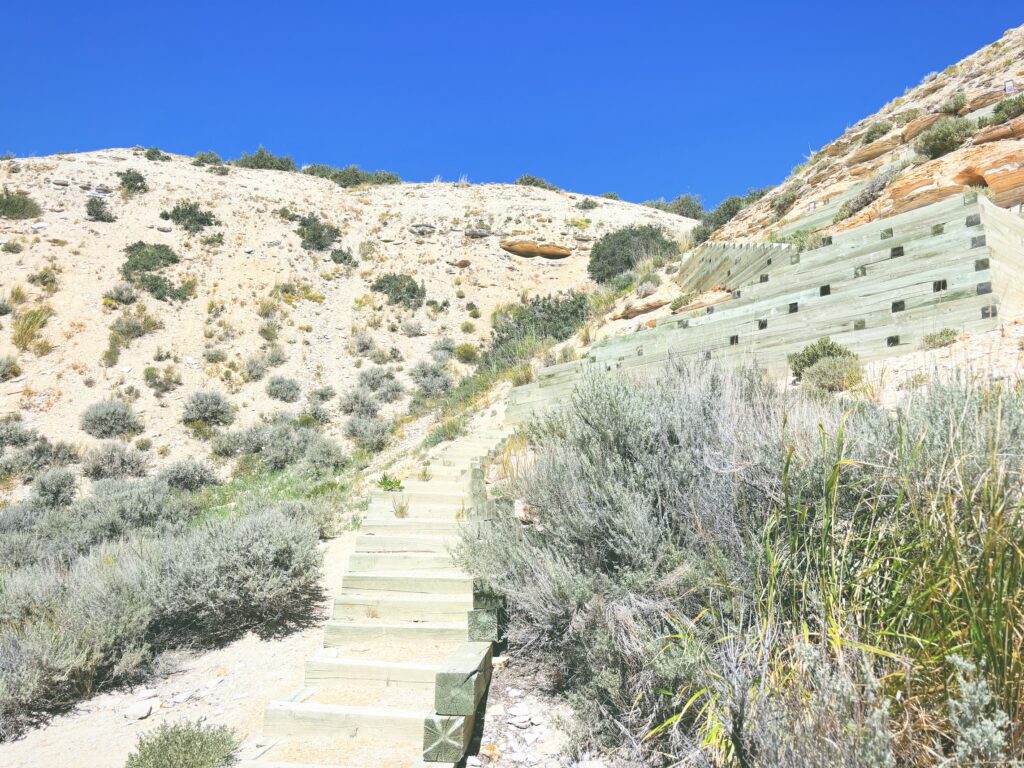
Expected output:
(422, 229)
(140, 710)
(163, 229)
(478, 232)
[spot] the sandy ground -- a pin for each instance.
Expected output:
(228, 686)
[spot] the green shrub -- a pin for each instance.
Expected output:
(785, 200)
(871, 192)
(467, 353)
(686, 205)
(520, 330)
(185, 745)
(283, 389)
(53, 489)
(96, 210)
(343, 257)
(264, 161)
(189, 475)
(207, 158)
(1007, 109)
(12, 246)
(833, 374)
(536, 181)
(144, 260)
(721, 215)
(154, 153)
(382, 383)
(812, 353)
(113, 461)
(132, 182)
(110, 418)
(943, 137)
(9, 368)
(27, 325)
(46, 278)
(619, 251)
(190, 216)
(449, 429)
(610, 196)
(351, 176)
(400, 289)
(940, 338)
(876, 131)
(209, 408)
(587, 204)
(954, 104)
(18, 205)
(317, 235)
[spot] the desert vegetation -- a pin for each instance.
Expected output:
(717, 571)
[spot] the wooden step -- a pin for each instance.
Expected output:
(388, 526)
(302, 719)
(406, 562)
(337, 633)
(448, 608)
(328, 672)
(371, 542)
(404, 585)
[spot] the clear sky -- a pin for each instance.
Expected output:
(644, 99)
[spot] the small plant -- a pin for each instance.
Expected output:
(536, 181)
(185, 745)
(283, 389)
(447, 430)
(343, 257)
(587, 204)
(121, 294)
(940, 338)
(132, 182)
(400, 289)
(467, 326)
(46, 278)
(190, 216)
(388, 483)
(359, 402)
(208, 408)
(18, 205)
(112, 461)
(412, 328)
(161, 382)
(96, 210)
(264, 161)
(812, 353)
(27, 326)
(368, 433)
(351, 176)
(876, 131)
(9, 368)
(432, 378)
(467, 353)
(206, 158)
(269, 330)
(110, 418)
(943, 137)
(11, 246)
(154, 154)
(954, 104)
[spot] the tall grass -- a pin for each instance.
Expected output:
(721, 573)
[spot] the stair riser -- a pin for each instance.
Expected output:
(408, 527)
(328, 674)
(394, 543)
(419, 497)
(417, 512)
(412, 610)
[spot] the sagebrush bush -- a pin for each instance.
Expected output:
(9, 368)
(122, 293)
(369, 433)
(520, 330)
(400, 289)
(161, 382)
(876, 131)
(412, 328)
(943, 137)
(359, 402)
(432, 378)
(1007, 109)
(54, 488)
(263, 160)
(210, 408)
(940, 338)
(527, 180)
(18, 205)
(189, 475)
(813, 352)
(185, 745)
(110, 418)
(284, 389)
(618, 252)
(114, 461)
(343, 257)
(833, 374)
(442, 350)
(351, 176)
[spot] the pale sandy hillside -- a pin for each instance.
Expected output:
(443, 235)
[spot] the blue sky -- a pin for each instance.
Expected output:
(644, 99)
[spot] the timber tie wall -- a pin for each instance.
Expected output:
(403, 674)
(877, 289)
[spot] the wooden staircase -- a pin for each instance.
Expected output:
(406, 656)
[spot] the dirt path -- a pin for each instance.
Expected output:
(228, 686)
